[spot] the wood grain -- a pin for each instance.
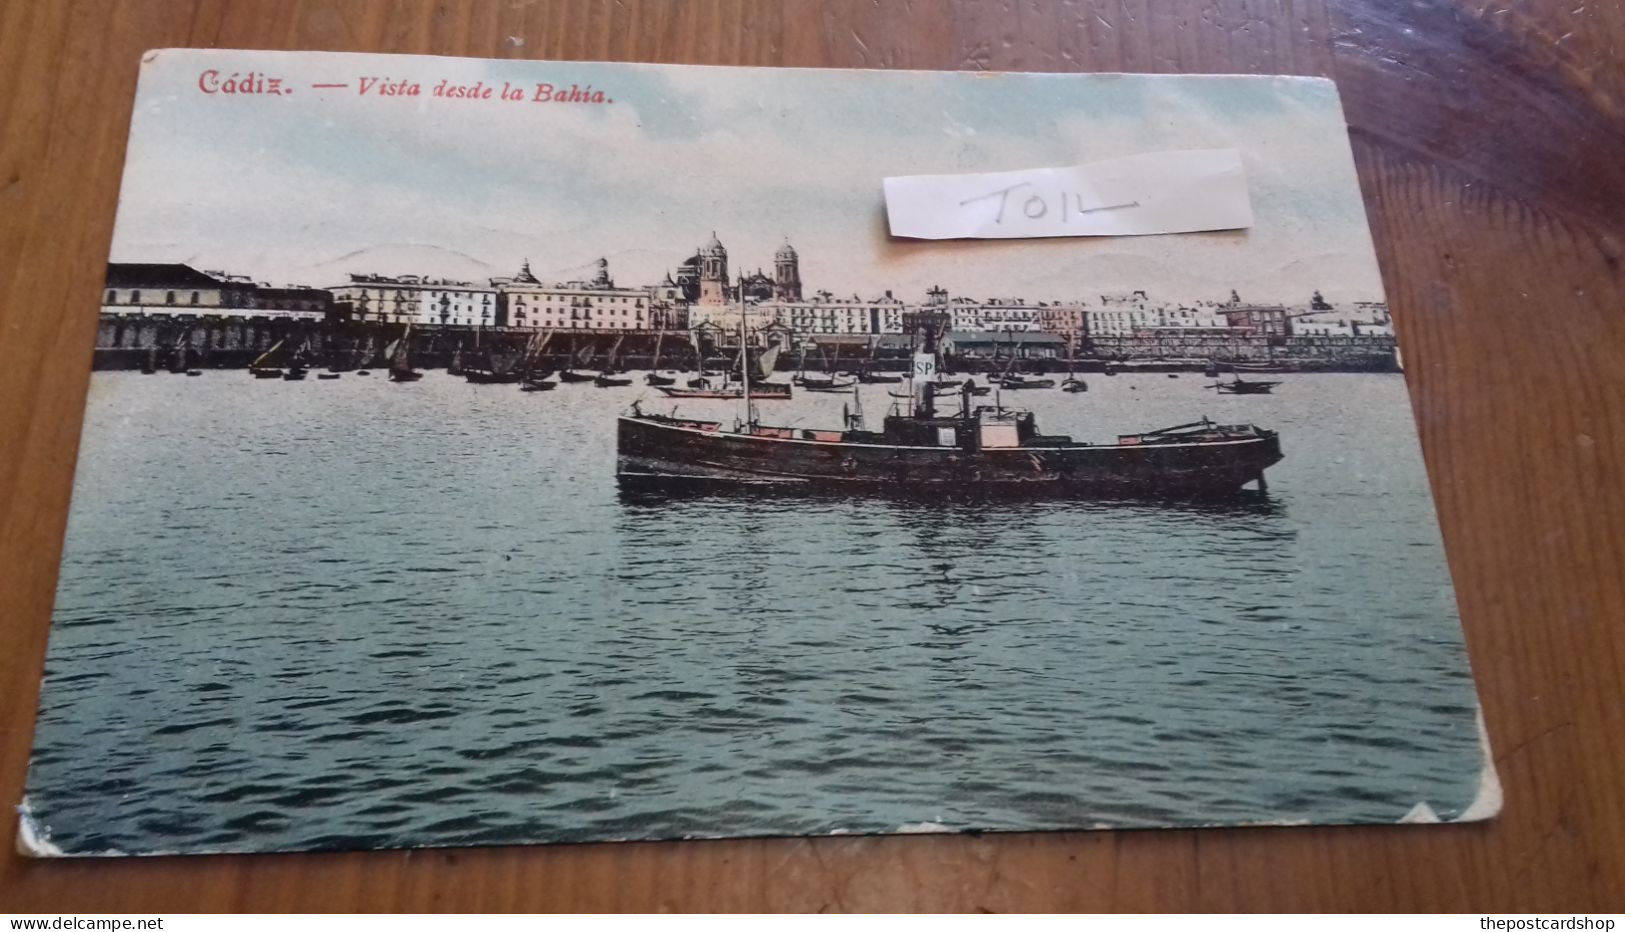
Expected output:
(1489, 138)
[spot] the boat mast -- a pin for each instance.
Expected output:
(744, 359)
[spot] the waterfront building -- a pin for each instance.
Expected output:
(1374, 311)
(1003, 344)
(1129, 313)
(589, 304)
(1009, 315)
(1127, 321)
(1269, 320)
(1335, 325)
(1067, 321)
(145, 289)
(419, 300)
(825, 313)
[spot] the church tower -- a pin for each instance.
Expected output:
(713, 273)
(786, 273)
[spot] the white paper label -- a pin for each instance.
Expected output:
(1183, 191)
(925, 366)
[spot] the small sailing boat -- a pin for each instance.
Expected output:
(298, 366)
(533, 378)
(1014, 382)
(1072, 384)
(177, 366)
(1239, 387)
(499, 369)
(607, 377)
(336, 363)
(833, 384)
(262, 367)
(654, 377)
(866, 374)
(367, 356)
(400, 363)
(876, 378)
(577, 358)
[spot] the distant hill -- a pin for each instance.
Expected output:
(399, 259)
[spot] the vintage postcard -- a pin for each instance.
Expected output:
(492, 452)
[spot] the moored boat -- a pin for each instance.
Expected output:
(487, 377)
(985, 449)
(765, 391)
(875, 378)
(827, 385)
(1015, 382)
(1237, 386)
(400, 361)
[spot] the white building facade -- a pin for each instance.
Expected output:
(593, 304)
(418, 300)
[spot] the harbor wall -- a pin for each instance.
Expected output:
(233, 342)
(1365, 353)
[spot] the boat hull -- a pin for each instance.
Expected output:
(485, 377)
(775, 393)
(651, 454)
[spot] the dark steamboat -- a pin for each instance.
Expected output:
(984, 450)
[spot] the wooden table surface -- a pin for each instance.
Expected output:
(1490, 139)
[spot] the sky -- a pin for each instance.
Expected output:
(306, 187)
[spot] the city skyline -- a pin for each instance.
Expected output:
(467, 190)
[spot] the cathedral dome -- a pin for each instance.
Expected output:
(714, 247)
(786, 251)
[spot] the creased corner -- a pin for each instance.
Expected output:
(1419, 814)
(1487, 801)
(33, 839)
